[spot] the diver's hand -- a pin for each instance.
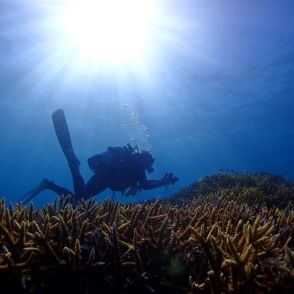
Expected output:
(131, 191)
(169, 179)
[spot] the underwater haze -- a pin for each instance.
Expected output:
(205, 85)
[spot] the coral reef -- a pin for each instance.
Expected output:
(260, 189)
(204, 246)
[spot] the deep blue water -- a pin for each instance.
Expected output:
(215, 90)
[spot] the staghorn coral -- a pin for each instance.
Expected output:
(260, 189)
(218, 246)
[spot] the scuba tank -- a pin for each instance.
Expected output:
(113, 156)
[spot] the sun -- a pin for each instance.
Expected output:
(108, 30)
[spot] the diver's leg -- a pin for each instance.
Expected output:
(63, 136)
(45, 184)
(93, 187)
(77, 179)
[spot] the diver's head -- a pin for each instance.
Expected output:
(147, 160)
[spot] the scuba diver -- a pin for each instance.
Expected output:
(119, 169)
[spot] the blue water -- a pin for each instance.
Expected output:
(215, 91)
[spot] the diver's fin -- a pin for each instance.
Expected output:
(34, 192)
(63, 136)
(61, 130)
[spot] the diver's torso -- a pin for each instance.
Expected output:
(120, 175)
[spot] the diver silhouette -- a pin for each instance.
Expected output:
(118, 168)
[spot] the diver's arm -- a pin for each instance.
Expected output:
(168, 179)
